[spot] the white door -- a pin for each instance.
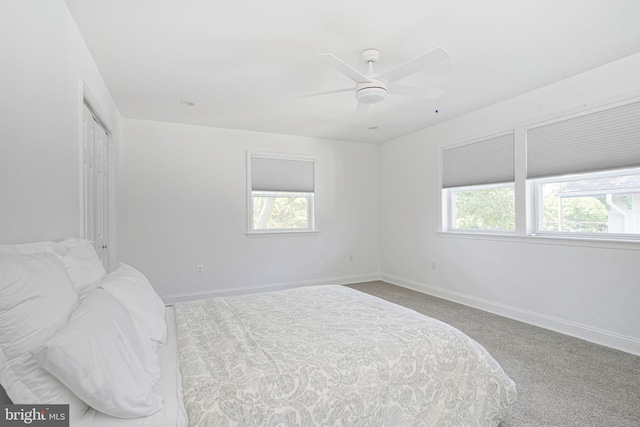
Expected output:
(89, 173)
(96, 185)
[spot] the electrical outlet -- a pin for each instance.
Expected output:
(199, 269)
(433, 265)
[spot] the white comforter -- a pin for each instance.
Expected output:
(332, 356)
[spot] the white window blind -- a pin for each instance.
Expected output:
(604, 140)
(489, 161)
(277, 174)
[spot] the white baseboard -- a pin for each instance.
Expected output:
(239, 290)
(587, 333)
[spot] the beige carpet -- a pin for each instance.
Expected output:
(561, 380)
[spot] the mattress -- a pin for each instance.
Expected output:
(330, 355)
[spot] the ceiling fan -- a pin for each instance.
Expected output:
(372, 88)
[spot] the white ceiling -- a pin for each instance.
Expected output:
(243, 63)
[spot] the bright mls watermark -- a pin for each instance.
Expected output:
(34, 415)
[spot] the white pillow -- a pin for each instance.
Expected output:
(134, 291)
(100, 355)
(82, 263)
(78, 256)
(36, 298)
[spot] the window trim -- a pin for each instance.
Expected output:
(311, 213)
(573, 241)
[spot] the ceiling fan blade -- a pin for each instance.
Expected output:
(422, 92)
(343, 67)
(328, 92)
(425, 60)
(362, 108)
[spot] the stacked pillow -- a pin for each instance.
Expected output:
(36, 298)
(70, 333)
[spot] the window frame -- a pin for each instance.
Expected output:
(480, 180)
(312, 228)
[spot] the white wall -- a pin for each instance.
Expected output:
(591, 291)
(183, 203)
(44, 61)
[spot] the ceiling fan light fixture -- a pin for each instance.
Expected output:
(371, 95)
(371, 92)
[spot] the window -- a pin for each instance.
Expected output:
(483, 208)
(478, 186)
(596, 203)
(586, 175)
(282, 210)
(576, 176)
(281, 193)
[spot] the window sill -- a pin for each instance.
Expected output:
(280, 233)
(589, 242)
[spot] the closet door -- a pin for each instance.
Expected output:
(101, 185)
(89, 172)
(96, 185)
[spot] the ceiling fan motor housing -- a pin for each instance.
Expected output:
(371, 92)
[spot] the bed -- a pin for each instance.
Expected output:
(331, 355)
(317, 355)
